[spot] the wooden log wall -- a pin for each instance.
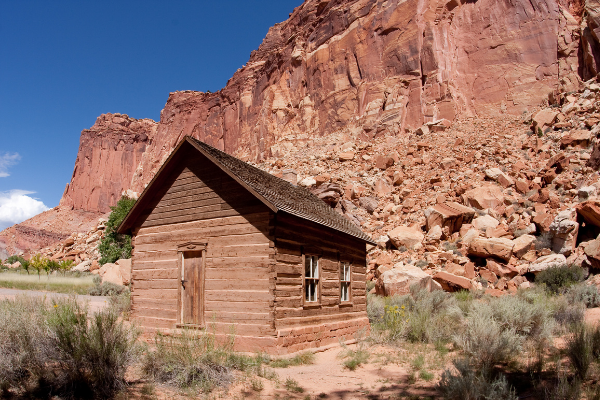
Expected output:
(293, 235)
(205, 204)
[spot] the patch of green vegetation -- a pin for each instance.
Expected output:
(557, 279)
(113, 245)
(305, 358)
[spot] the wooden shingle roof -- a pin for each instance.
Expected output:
(280, 194)
(274, 192)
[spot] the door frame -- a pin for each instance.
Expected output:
(181, 250)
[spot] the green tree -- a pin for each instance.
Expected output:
(38, 262)
(113, 245)
(24, 263)
(65, 265)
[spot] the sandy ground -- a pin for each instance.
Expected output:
(387, 375)
(96, 303)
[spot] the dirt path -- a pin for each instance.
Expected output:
(96, 303)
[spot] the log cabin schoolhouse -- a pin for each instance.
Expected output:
(222, 245)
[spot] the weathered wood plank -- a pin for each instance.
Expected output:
(170, 294)
(154, 322)
(213, 308)
(258, 261)
(148, 274)
(167, 304)
(154, 313)
(240, 251)
(180, 236)
(238, 295)
(232, 239)
(156, 284)
(207, 215)
(206, 223)
(234, 282)
(242, 273)
(139, 265)
(164, 256)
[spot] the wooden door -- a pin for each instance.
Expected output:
(192, 288)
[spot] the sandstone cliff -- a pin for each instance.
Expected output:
(109, 153)
(365, 68)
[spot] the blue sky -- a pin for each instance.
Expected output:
(63, 63)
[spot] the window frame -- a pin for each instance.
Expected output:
(348, 263)
(319, 279)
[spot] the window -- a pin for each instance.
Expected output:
(345, 280)
(311, 279)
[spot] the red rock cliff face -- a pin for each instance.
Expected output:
(367, 67)
(373, 66)
(109, 153)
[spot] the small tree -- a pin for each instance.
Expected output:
(24, 263)
(38, 262)
(65, 265)
(113, 245)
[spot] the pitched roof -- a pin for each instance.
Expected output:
(281, 194)
(276, 193)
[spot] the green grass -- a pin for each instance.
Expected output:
(305, 358)
(52, 283)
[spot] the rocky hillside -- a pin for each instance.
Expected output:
(485, 203)
(371, 70)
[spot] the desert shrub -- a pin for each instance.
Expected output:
(113, 245)
(38, 262)
(580, 349)
(93, 351)
(353, 358)
(528, 318)
(584, 293)
(421, 316)
(194, 360)
(565, 312)
(485, 339)
(468, 383)
(558, 279)
(61, 349)
(25, 342)
(106, 288)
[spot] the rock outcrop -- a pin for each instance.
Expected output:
(370, 67)
(109, 155)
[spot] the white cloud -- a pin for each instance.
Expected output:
(7, 160)
(16, 206)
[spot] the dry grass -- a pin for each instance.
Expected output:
(50, 283)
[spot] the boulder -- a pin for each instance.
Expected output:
(503, 271)
(450, 214)
(398, 280)
(545, 262)
(589, 211)
(308, 181)
(592, 251)
(485, 222)
(499, 176)
(435, 233)
(487, 196)
(579, 138)
(112, 273)
(406, 236)
(544, 118)
(346, 156)
(523, 244)
(564, 233)
(83, 266)
(15, 265)
(368, 203)
(495, 247)
(125, 268)
(471, 235)
(452, 283)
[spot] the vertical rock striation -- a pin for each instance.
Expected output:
(109, 153)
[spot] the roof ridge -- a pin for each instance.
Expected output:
(286, 197)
